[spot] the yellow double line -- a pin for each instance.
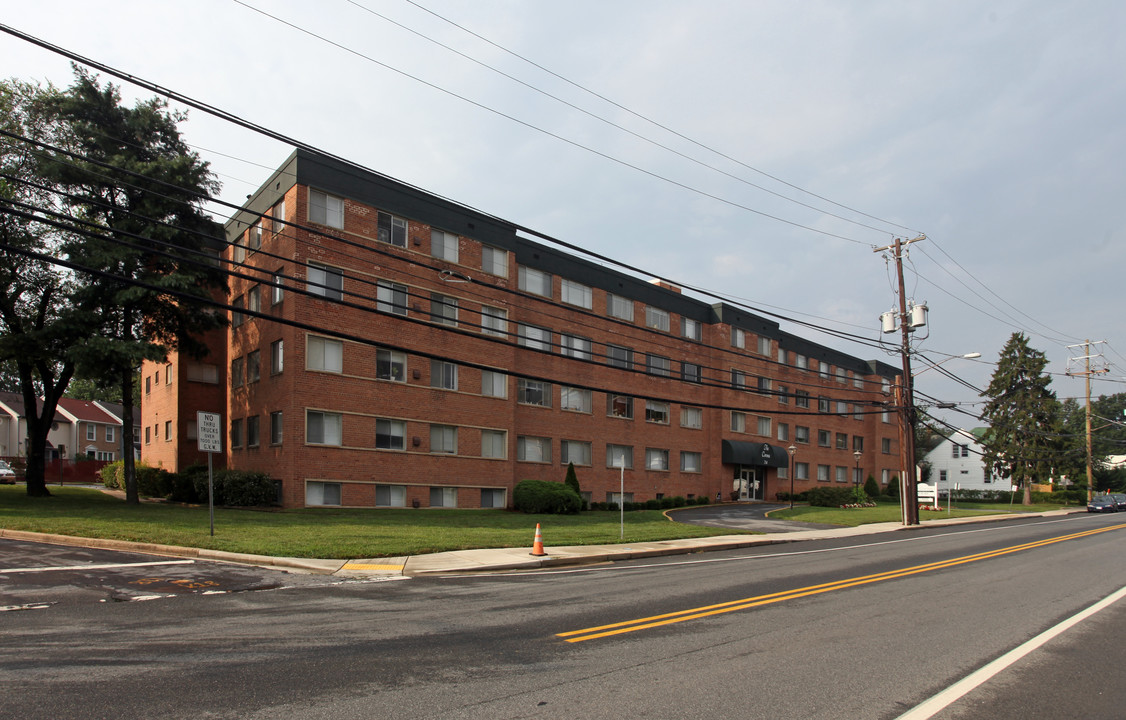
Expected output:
(628, 626)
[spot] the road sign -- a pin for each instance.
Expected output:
(209, 432)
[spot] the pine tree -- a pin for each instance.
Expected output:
(1022, 440)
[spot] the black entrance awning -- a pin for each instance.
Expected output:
(740, 452)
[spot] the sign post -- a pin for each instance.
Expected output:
(209, 435)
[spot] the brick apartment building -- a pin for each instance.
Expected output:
(399, 349)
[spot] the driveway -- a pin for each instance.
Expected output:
(743, 516)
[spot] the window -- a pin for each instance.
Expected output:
(619, 406)
(738, 379)
(492, 497)
(942, 476)
(842, 441)
(619, 307)
(324, 281)
(237, 379)
(823, 438)
(110, 433)
(691, 417)
(443, 375)
(391, 297)
(801, 399)
(443, 309)
(656, 459)
(443, 245)
(390, 434)
(801, 471)
(254, 299)
(657, 412)
(764, 385)
(823, 404)
(764, 426)
(690, 328)
(323, 428)
(237, 317)
(148, 385)
(530, 336)
(278, 217)
(494, 384)
(148, 435)
(738, 421)
(858, 381)
(782, 356)
(575, 346)
(534, 281)
(885, 446)
(657, 365)
(252, 431)
(690, 372)
(533, 449)
(390, 495)
(842, 474)
(764, 346)
(276, 428)
(92, 432)
(801, 362)
(494, 444)
(277, 357)
(738, 338)
(238, 250)
(443, 439)
(842, 375)
(168, 374)
(494, 261)
(203, 373)
(253, 366)
(656, 318)
(801, 434)
(443, 497)
(254, 236)
(618, 456)
(277, 290)
(575, 293)
(390, 365)
(325, 209)
(690, 461)
(324, 354)
(494, 321)
(823, 369)
(574, 399)
(783, 432)
(574, 451)
(392, 230)
(823, 473)
(619, 357)
(783, 397)
(322, 493)
(533, 392)
(842, 408)
(236, 433)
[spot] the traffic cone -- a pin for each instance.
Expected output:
(537, 544)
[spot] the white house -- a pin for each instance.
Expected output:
(956, 464)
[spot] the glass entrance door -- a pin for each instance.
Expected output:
(749, 482)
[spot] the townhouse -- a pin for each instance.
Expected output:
(392, 348)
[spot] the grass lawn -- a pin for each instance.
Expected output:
(890, 512)
(323, 532)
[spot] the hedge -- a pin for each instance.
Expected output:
(539, 496)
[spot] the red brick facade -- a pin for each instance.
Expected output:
(338, 423)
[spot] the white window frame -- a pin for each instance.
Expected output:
(691, 462)
(393, 433)
(494, 444)
(390, 365)
(391, 229)
(738, 338)
(690, 329)
(738, 421)
(656, 459)
(575, 451)
(494, 321)
(323, 494)
(533, 392)
(576, 346)
(691, 417)
(444, 245)
(575, 293)
(443, 309)
(575, 399)
(534, 281)
(657, 412)
(494, 261)
(324, 281)
(330, 430)
(533, 449)
(656, 318)
(494, 384)
(658, 365)
(443, 374)
(443, 439)
(391, 297)
(325, 209)
(324, 354)
(617, 453)
(533, 336)
(619, 307)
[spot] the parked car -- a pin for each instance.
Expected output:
(1102, 503)
(1119, 498)
(7, 474)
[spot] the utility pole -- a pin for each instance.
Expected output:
(909, 496)
(1087, 372)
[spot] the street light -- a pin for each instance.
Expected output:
(856, 473)
(792, 449)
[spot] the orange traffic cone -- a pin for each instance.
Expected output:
(537, 544)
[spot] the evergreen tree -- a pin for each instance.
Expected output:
(151, 246)
(1022, 441)
(572, 480)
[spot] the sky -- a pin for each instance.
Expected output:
(758, 149)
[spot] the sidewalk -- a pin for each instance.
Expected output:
(497, 559)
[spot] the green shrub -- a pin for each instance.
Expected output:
(153, 482)
(653, 504)
(893, 487)
(237, 488)
(830, 496)
(871, 487)
(572, 480)
(113, 474)
(538, 496)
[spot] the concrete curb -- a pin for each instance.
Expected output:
(505, 559)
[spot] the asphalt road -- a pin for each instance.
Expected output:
(743, 516)
(864, 628)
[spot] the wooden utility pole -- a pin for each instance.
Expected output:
(1087, 372)
(909, 495)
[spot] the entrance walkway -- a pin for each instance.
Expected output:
(743, 516)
